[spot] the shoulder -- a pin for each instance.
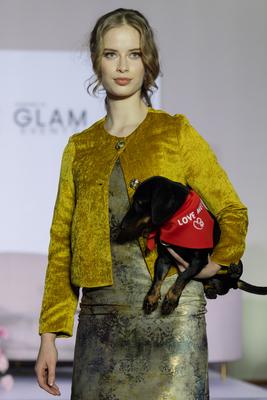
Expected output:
(163, 116)
(187, 135)
(91, 130)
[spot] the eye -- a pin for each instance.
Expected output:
(135, 54)
(109, 54)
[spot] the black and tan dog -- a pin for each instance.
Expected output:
(170, 214)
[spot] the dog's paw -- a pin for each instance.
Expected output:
(210, 290)
(210, 293)
(235, 270)
(169, 305)
(149, 306)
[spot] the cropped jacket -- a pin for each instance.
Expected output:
(79, 252)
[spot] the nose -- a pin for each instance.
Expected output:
(122, 64)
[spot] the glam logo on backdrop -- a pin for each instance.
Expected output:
(40, 118)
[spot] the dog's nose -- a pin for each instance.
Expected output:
(134, 183)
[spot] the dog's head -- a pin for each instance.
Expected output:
(154, 202)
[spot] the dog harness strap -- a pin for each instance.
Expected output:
(191, 226)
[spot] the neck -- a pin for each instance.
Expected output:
(123, 113)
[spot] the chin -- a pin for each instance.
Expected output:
(123, 93)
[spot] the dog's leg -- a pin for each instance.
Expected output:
(173, 295)
(210, 289)
(162, 266)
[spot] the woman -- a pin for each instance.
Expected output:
(121, 353)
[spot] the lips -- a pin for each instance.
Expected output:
(122, 81)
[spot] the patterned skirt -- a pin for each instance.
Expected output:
(122, 354)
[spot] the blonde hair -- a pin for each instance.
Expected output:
(149, 52)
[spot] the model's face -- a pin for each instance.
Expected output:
(121, 59)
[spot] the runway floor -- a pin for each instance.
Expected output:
(26, 388)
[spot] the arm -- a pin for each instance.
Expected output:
(60, 298)
(205, 176)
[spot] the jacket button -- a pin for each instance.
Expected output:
(134, 183)
(120, 144)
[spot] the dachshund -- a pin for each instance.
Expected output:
(170, 214)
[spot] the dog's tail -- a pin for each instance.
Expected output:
(247, 287)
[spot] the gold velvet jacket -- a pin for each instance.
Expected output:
(79, 251)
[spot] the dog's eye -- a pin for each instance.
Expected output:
(138, 205)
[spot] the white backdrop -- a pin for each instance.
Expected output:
(43, 101)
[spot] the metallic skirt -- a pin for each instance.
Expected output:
(122, 354)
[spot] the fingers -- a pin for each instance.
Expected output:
(43, 380)
(51, 376)
(45, 368)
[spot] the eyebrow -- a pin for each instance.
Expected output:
(116, 50)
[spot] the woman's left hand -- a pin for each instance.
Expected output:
(208, 271)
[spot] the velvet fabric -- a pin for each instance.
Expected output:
(79, 251)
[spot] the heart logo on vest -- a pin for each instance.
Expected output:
(198, 224)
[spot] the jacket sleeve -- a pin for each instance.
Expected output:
(205, 176)
(60, 297)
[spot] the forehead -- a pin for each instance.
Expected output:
(123, 37)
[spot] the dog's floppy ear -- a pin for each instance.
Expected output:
(166, 200)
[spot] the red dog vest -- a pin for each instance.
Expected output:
(191, 226)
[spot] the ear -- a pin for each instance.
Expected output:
(166, 200)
